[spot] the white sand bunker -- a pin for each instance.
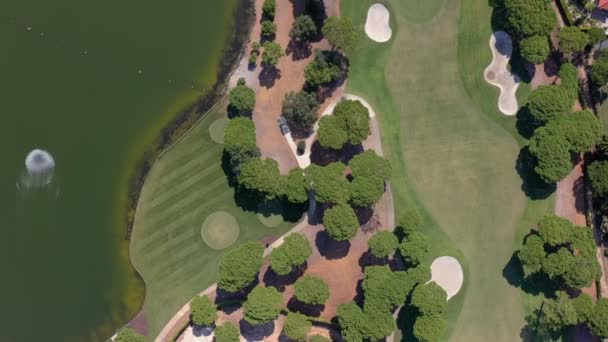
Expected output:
(498, 74)
(377, 25)
(447, 273)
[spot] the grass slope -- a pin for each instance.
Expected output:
(184, 186)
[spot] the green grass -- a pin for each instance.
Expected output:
(453, 153)
(603, 113)
(184, 186)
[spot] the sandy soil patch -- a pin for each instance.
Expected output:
(447, 273)
(377, 25)
(498, 74)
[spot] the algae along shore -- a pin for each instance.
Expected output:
(89, 86)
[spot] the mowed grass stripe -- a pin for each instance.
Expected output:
(179, 259)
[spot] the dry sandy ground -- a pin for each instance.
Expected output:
(447, 272)
(377, 25)
(498, 74)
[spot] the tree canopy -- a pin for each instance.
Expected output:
(355, 118)
(596, 35)
(382, 244)
(300, 109)
(341, 222)
(429, 328)
(535, 49)
(203, 311)
(272, 53)
(128, 335)
(329, 183)
(241, 98)
(549, 102)
(296, 189)
(262, 175)
(370, 164)
(599, 71)
(268, 8)
(384, 289)
(303, 29)
(331, 133)
(268, 28)
(366, 191)
(568, 75)
(294, 252)
(582, 130)
(555, 230)
(552, 152)
(327, 67)
(598, 319)
(430, 299)
(530, 17)
(597, 172)
(357, 325)
(532, 254)
(228, 332)
(413, 248)
(572, 39)
(296, 327)
(311, 290)
(263, 305)
(239, 267)
(340, 33)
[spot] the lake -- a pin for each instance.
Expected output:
(92, 83)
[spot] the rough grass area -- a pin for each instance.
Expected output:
(453, 153)
(184, 187)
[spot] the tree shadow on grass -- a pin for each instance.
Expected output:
(405, 322)
(330, 248)
(526, 124)
(534, 284)
(532, 185)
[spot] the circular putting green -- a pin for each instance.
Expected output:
(216, 130)
(270, 213)
(220, 230)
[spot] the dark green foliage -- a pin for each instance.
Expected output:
(263, 305)
(296, 327)
(329, 183)
(269, 28)
(203, 311)
(419, 274)
(240, 266)
(429, 328)
(569, 77)
(228, 332)
(596, 35)
(269, 8)
(599, 72)
(331, 133)
(295, 186)
(583, 272)
(532, 254)
(530, 17)
(301, 147)
(318, 338)
(241, 99)
(327, 67)
(300, 109)
(378, 325)
(382, 244)
(340, 33)
(384, 289)
(535, 49)
(128, 335)
(303, 29)
(410, 221)
(414, 248)
(597, 322)
(262, 175)
(558, 314)
(311, 290)
(366, 191)
(572, 39)
(583, 306)
(356, 120)
(557, 264)
(582, 130)
(351, 319)
(239, 140)
(341, 222)
(552, 153)
(294, 252)
(430, 299)
(555, 230)
(272, 53)
(549, 102)
(597, 172)
(370, 164)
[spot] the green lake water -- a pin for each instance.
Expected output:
(92, 82)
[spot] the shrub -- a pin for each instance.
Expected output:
(203, 311)
(240, 266)
(303, 29)
(128, 335)
(263, 305)
(366, 191)
(272, 53)
(241, 99)
(295, 186)
(429, 299)
(300, 109)
(269, 28)
(340, 33)
(268, 8)
(301, 146)
(256, 46)
(370, 164)
(311, 290)
(535, 49)
(548, 103)
(382, 244)
(296, 327)
(429, 328)
(253, 57)
(294, 252)
(228, 332)
(413, 248)
(341, 222)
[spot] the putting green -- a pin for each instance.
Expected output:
(216, 130)
(220, 230)
(270, 213)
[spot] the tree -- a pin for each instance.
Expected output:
(410, 221)
(532, 254)
(552, 152)
(329, 183)
(239, 267)
(366, 191)
(340, 33)
(263, 305)
(356, 120)
(303, 29)
(269, 28)
(599, 317)
(203, 311)
(239, 140)
(384, 289)
(341, 222)
(268, 8)
(370, 164)
(296, 326)
(294, 252)
(382, 244)
(558, 313)
(241, 98)
(128, 335)
(582, 272)
(429, 299)
(228, 332)
(378, 325)
(530, 17)
(583, 306)
(262, 175)
(555, 230)
(599, 72)
(596, 35)
(351, 318)
(548, 103)
(413, 248)
(331, 133)
(572, 39)
(300, 109)
(327, 67)
(582, 130)
(557, 264)
(272, 53)
(568, 75)
(295, 186)
(311, 290)
(597, 173)
(535, 49)
(429, 328)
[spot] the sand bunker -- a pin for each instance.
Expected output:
(377, 25)
(447, 273)
(498, 74)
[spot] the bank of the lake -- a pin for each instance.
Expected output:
(94, 84)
